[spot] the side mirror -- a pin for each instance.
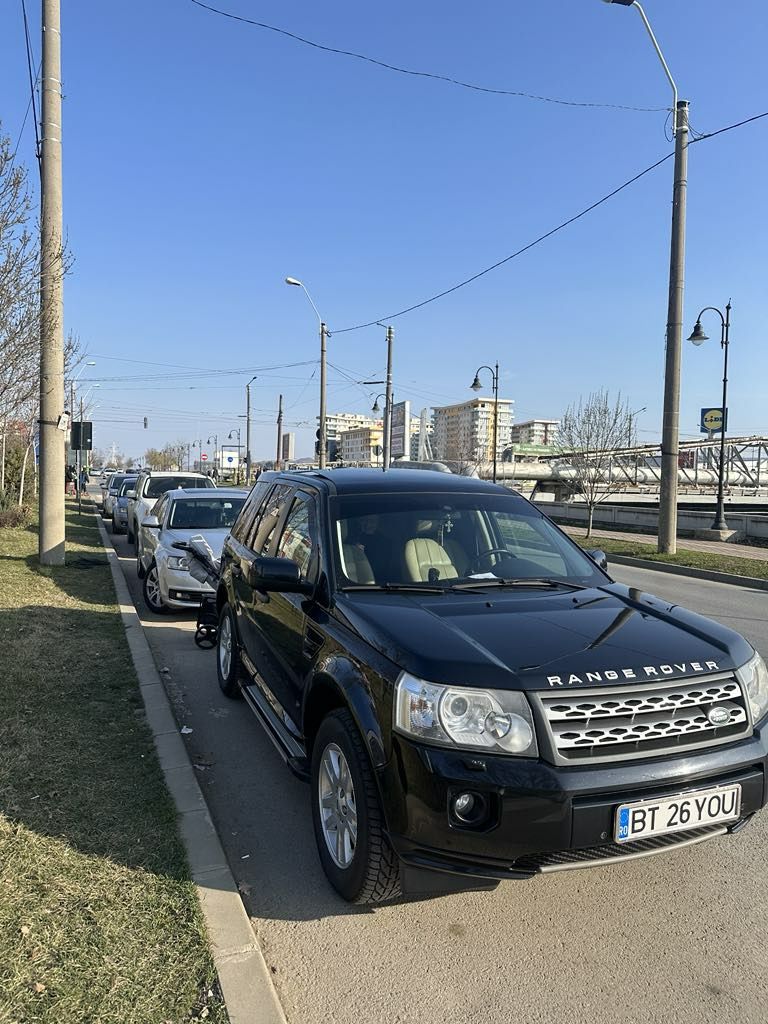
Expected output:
(278, 575)
(599, 558)
(130, 494)
(151, 522)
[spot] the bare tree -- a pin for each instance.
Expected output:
(591, 434)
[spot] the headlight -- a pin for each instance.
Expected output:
(498, 721)
(178, 562)
(754, 676)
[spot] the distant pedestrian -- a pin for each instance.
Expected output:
(69, 480)
(84, 478)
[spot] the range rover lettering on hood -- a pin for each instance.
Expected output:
(646, 672)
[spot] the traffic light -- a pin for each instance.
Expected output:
(146, 422)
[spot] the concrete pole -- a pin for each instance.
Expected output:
(51, 546)
(387, 458)
(670, 433)
(322, 441)
(495, 421)
(79, 462)
(278, 458)
(247, 434)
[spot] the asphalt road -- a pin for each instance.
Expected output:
(677, 938)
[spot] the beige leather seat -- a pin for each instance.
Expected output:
(423, 554)
(354, 560)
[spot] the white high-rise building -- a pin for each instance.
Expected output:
(535, 432)
(464, 432)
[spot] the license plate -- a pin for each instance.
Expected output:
(647, 818)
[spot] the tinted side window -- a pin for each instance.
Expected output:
(297, 540)
(242, 527)
(264, 527)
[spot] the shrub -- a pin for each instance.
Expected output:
(15, 515)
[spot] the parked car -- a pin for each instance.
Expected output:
(120, 505)
(151, 486)
(176, 517)
(470, 695)
(110, 493)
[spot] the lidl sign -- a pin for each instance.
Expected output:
(712, 420)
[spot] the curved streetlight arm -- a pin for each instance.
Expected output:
(711, 309)
(300, 284)
(489, 368)
(664, 64)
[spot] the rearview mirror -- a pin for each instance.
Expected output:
(130, 494)
(151, 522)
(279, 575)
(599, 557)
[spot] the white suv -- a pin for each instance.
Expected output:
(150, 486)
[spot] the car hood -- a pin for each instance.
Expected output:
(214, 538)
(541, 639)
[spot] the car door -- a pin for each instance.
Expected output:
(281, 618)
(255, 542)
(148, 537)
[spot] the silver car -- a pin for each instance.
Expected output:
(176, 517)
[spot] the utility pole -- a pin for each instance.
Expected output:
(51, 546)
(670, 435)
(278, 458)
(248, 431)
(388, 406)
(321, 439)
(79, 459)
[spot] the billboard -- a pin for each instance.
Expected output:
(401, 430)
(712, 420)
(288, 449)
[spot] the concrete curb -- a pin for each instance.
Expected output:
(752, 582)
(246, 983)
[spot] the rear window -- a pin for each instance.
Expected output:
(205, 513)
(127, 485)
(157, 485)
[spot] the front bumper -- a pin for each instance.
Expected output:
(180, 590)
(542, 817)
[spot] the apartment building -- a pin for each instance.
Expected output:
(464, 432)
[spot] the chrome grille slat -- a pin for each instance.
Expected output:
(613, 723)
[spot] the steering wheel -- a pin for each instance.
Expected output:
(474, 564)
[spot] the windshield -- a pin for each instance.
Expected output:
(443, 539)
(204, 513)
(127, 485)
(115, 481)
(157, 485)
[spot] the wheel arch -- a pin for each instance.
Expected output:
(340, 684)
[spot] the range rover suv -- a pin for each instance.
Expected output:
(468, 693)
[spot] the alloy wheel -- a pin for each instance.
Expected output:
(338, 810)
(152, 584)
(225, 647)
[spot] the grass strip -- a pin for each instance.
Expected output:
(757, 568)
(99, 920)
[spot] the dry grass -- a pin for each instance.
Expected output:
(99, 922)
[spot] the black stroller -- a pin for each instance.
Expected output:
(204, 567)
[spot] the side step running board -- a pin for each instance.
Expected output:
(287, 746)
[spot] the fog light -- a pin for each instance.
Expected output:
(469, 809)
(463, 805)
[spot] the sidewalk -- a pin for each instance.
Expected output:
(714, 547)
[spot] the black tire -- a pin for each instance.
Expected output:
(156, 607)
(373, 875)
(140, 572)
(129, 531)
(113, 526)
(229, 674)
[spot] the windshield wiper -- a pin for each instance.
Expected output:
(418, 588)
(522, 582)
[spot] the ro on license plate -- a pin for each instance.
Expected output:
(677, 813)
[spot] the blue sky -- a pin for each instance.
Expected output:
(207, 159)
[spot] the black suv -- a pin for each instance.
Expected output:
(470, 695)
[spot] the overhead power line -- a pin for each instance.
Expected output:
(418, 74)
(494, 266)
(537, 241)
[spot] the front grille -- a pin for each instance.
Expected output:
(611, 851)
(628, 722)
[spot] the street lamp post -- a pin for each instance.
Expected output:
(670, 436)
(248, 429)
(698, 337)
(215, 450)
(477, 386)
(236, 430)
(321, 440)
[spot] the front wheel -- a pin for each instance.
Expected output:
(140, 571)
(152, 596)
(228, 665)
(346, 812)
